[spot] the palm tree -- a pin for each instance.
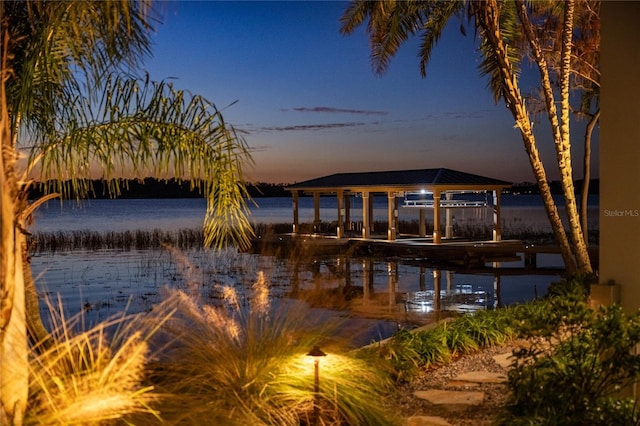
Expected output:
(506, 34)
(585, 74)
(68, 100)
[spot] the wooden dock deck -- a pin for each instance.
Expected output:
(456, 253)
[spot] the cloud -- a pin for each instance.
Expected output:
(339, 110)
(259, 148)
(453, 115)
(312, 127)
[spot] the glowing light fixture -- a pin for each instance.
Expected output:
(316, 353)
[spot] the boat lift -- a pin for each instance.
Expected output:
(423, 200)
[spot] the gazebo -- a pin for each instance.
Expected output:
(434, 189)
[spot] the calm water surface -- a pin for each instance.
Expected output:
(102, 283)
(173, 214)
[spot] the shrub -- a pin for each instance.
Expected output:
(397, 354)
(575, 287)
(458, 340)
(431, 346)
(611, 411)
(485, 328)
(409, 351)
(592, 358)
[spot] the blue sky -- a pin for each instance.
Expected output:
(312, 105)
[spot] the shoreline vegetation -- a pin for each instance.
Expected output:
(164, 369)
(167, 371)
(173, 188)
(179, 376)
(41, 242)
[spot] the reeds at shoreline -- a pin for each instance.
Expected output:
(123, 240)
(186, 238)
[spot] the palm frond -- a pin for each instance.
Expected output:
(440, 13)
(57, 44)
(394, 26)
(140, 127)
(354, 15)
(392, 23)
(512, 37)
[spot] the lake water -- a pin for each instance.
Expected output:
(171, 214)
(374, 294)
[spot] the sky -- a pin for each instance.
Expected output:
(311, 104)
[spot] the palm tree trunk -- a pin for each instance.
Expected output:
(563, 146)
(14, 366)
(487, 16)
(38, 334)
(560, 128)
(548, 202)
(40, 337)
(587, 175)
(545, 192)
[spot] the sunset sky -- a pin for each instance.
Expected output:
(311, 104)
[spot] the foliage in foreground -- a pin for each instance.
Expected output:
(578, 372)
(410, 351)
(69, 101)
(574, 373)
(243, 361)
(92, 376)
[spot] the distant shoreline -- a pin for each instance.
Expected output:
(153, 188)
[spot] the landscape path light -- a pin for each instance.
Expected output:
(316, 353)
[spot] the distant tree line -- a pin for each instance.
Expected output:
(164, 188)
(172, 188)
(556, 187)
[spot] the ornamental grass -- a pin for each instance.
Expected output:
(243, 360)
(92, 375)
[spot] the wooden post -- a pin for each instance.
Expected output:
(392, 270)
(391, 209)
(366, 219)
(423, 223)
(497, 220)
(436, 217)
(423, 213)
(367, 278)
(448, 230)
(340, 227)
(316, 212)
(371, 218)
(496, 291)
(437, 287)
(347, 211)
(296, 225)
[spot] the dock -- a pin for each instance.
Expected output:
(454, 253)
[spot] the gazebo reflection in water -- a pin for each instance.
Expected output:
(389, 289)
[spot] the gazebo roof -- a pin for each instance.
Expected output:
(400, 180)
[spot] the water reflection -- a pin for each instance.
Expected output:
(103, 283)
(460, 299)
(395, 290)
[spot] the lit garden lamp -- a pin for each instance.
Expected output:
(316, 353)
